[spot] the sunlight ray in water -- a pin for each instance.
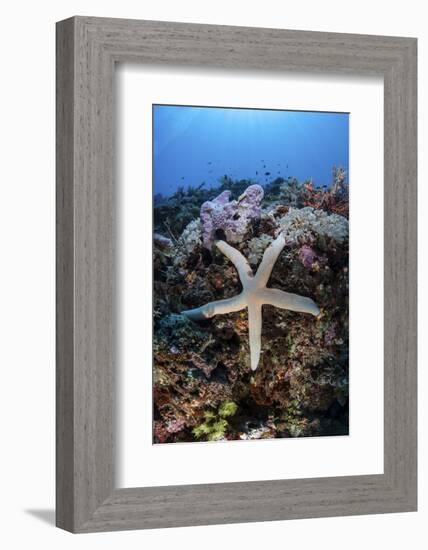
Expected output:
(199, 144)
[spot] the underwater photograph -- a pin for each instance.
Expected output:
(250, 274)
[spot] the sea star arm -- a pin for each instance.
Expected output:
(255, 333)
(229, 305)
(269, 258)
(239, 261)
(286, 300)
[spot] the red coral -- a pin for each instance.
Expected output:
(334, 200)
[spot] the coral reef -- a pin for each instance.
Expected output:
(204, 387)
(254, 295)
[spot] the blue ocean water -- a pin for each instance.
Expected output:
(195, 145)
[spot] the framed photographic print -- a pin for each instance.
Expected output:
(236, 263)
(207, 384)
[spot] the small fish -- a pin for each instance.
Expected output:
(257, 173)
(210, 162)
(182, 177)
(267, 173)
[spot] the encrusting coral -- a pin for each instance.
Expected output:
(205, 360)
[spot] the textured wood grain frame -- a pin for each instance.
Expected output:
(87, 50)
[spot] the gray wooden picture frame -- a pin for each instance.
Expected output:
(87, 50)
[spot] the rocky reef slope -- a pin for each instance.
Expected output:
(204, 388)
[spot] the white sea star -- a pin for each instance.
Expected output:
(254, 294)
